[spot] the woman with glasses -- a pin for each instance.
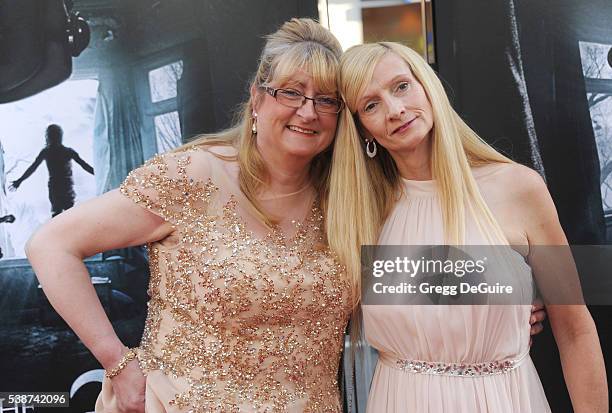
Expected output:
(417, 171)
(248, 305)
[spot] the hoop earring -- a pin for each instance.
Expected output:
(254, 125)
(371, 152)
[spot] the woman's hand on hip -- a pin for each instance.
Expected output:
(129, 388)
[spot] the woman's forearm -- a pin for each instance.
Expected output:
(67, 285)
(583, 369)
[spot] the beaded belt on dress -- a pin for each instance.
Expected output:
(488, 368)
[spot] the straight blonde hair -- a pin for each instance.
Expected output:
(363, 190)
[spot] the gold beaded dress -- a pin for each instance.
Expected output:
(241, 318)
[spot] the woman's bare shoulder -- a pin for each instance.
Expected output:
(514, 178)
(205, 162)
(525, 192)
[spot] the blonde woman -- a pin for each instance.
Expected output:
(409, 171)
(248, 306)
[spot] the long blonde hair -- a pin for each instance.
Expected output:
(299, 44)
(363, 190)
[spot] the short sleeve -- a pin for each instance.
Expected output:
(172, 187)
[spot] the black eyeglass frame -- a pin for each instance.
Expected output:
(274, 91)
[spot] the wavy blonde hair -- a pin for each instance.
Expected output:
(363, 190)
(299, 44)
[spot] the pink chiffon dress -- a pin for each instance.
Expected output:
(448, 358)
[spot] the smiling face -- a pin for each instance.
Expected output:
(394, 108)
(296, 132)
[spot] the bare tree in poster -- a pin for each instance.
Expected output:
(515, 61)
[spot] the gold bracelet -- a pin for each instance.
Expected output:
(125, 359)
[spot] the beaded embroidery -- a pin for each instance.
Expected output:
(247, 323)
(458, 369)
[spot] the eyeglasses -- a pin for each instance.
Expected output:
(294, 99)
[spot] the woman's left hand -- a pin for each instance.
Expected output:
(538, 315)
